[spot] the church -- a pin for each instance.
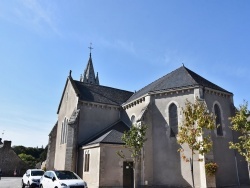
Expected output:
(92, 119)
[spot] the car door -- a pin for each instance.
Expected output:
(45, 180)
(26, 177)
(50, 181)
(53, 183)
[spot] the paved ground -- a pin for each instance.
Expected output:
(10, 182)
(15, 182)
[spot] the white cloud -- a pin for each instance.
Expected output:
(30, 14)
(127, 46)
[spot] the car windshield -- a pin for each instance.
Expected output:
(37, 173)
(63, 175)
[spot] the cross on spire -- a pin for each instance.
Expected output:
(90, 48)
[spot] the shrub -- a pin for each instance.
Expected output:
(211, 168)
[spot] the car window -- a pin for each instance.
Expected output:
(52, 175)
(63, 175)
(27, 172)
(46, 175)
(37, 173)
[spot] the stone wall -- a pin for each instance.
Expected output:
(10, 163)
(51, 149)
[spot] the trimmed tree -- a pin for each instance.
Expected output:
(197, 119)
(28, 159)
(134, 140)
(241, 124)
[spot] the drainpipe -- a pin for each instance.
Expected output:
(76, 157)
(235, 158)
(237, 171)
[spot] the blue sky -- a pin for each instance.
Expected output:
(135, 42)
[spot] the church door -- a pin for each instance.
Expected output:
(128, 174)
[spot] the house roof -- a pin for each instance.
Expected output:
(181, 77)
(110, 135)
(101, 94)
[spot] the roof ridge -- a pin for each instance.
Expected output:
(178, 78)
(153, 82)
(103, 86)
(202, 84)
(187, 70)
(107, 134)
(101, 94)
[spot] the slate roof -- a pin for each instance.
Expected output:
(110, 135)
(181, 77)
(101, 94)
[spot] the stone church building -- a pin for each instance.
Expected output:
(92, 118)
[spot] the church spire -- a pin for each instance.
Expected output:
(89, 73)
(97, 79)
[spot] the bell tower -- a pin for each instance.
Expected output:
(89, 73)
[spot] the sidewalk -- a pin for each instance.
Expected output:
(10, 182)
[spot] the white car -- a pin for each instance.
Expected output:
(31, 178)
(61, 179)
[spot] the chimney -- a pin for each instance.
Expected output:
(7, 144)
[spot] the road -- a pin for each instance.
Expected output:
(10, 182)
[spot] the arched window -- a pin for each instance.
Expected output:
(218, 120)
(86, 159)
(173, 120)
(132, 119)
(64, 131)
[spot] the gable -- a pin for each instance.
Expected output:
(68, 81)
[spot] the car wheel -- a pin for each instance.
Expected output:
(41, 186)
(23, 185)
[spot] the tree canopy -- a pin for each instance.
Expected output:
(196, 120)
(241, 124)
(191, 132)
(134, 140)
(31, 155)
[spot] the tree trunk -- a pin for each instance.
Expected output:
(192, 167)
(136, 172)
